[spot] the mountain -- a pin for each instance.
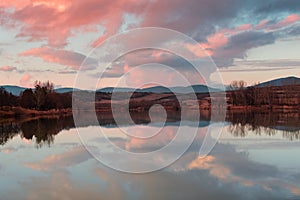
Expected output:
(291, 80)
(112, 89)
(196, 88)
(15, 90)
(65, 90)
(161, 89)
(156, 89)
(183, 90)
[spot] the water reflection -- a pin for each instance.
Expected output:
(43, 130)
(67, 170)
(287, 124)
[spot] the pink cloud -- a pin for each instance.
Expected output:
(165, 135)
(199, 51)
(262, 24)
(290, 19)
(55, 21)
(25, 80)
(14, 3)
(65, 159)
(219, 39)
(214, 42)
(235, 30)
(150, 70)
(63, 57)
(244, 27)
(116, 71)
(7, 68)
(8, 150)
(154, 74)
(217, 170)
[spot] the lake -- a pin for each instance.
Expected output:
(256, 157)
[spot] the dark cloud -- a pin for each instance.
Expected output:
(274, 6)
(142, 57)
(194, 18)
(238, 45)
(200, 19)
(292, 31)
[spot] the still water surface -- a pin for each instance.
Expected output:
(45, 159)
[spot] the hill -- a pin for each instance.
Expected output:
(291, 80)
(15, 90)
(65, 90)
(161, 89)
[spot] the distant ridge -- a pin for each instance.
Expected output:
(112, 89)
(15, 90)
(161, 89)
(291, 80)
(65, 90)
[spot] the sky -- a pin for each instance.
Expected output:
(249, 40)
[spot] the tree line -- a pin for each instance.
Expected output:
(240, 95)
(42, 97)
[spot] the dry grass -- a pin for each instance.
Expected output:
(19, 112)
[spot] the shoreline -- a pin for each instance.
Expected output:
(19, 112)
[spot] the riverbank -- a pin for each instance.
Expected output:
(264, 108)
(12, 112)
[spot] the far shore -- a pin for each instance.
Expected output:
(273, 99)
(264, 108)
(12, 112)
(19, 112)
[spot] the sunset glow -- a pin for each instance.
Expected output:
(50, 39)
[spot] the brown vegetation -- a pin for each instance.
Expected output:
(42, 100)
(275, 98)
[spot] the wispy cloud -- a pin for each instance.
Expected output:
(63, 57)
(68, 158)
(7, 68)
(25, 80)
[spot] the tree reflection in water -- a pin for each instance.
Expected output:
(43, 130)
(265, 123)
